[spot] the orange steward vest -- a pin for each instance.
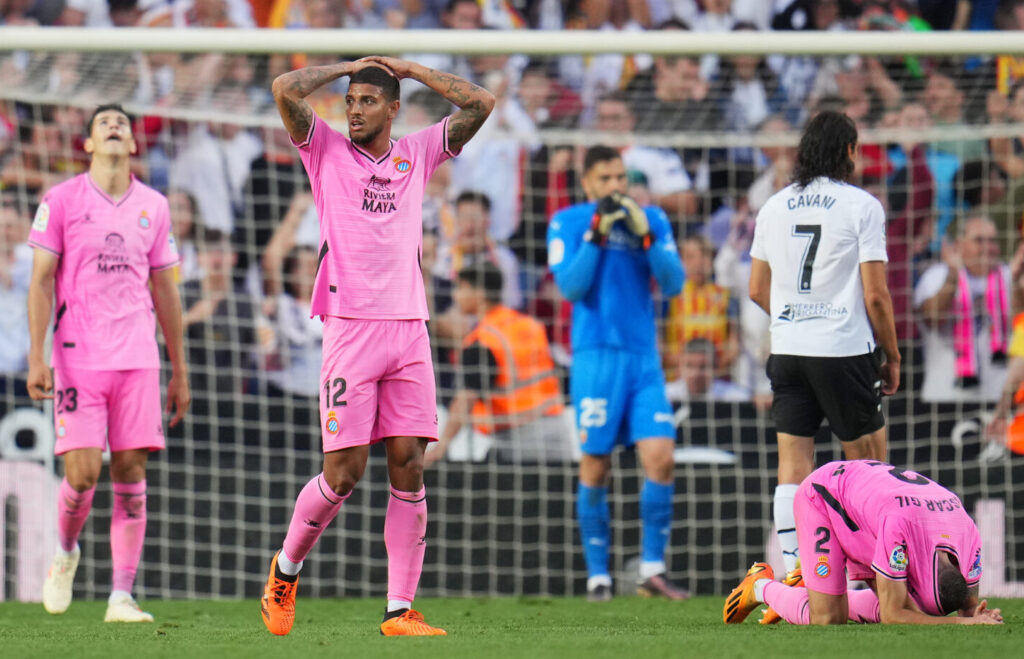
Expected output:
(527, 384)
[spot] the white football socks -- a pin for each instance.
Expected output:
(286, 566)
(785, 524)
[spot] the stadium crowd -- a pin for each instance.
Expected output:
(247, 230)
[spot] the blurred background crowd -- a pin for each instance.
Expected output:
(247, 229)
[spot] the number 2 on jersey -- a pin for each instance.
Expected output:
(812, 231)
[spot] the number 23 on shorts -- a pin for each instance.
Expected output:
(67, 400)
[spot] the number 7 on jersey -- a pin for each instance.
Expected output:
(812, 231)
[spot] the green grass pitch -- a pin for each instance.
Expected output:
(627, 628)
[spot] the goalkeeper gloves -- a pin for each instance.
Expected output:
(617, 207)
(609, 211)
(636, 219)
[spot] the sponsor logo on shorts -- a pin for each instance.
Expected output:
(401, 164)
(898, 558)
(332, 424)
(583, 437)
(822, 569)
(975, 570)
(61, 430)
(663, 417)
(144, 220)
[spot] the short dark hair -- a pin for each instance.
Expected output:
(953, 590)
(375, 75)
(107, 107)
(474, 197)
(434, 105)
(973, 177)
(673, 24)
(208, 238)
(122, 5)
(700, 344)
(824, 149)
(616, 97)
(452, 4)
(537, 66)
(703, 242)
(484, 276)
(599, 153)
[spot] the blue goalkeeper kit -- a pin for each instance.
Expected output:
(616, 381)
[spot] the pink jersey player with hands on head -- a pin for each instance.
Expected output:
(104, 260)
(377, 379)
(905, 535)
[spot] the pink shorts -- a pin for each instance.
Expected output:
(376, 381)
(823, 563)
(92, 408)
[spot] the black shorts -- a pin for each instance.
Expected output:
(845, 390)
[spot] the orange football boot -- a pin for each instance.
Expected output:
(278, 603)
(409, 623)
(741, 601)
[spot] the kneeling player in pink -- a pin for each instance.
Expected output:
(104, 248)
(377, 379)
(907, 536)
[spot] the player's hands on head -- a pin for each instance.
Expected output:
(399, 68)
(40, 381)
(178, 398)
(636, 218)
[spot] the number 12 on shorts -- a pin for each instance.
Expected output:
(337, 386)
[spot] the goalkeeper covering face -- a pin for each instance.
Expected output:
(603, 254)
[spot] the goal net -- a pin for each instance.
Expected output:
(707, 133)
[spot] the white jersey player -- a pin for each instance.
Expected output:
(819, 270)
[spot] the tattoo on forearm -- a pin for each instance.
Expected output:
(304, 82)
(296, 86)
(454, 88)
(465, 123)
(297, 116)
(472, 112)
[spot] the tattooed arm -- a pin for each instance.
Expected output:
(291, 89)
(475, 103)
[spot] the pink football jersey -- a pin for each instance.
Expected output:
(104, 317)
(892, 521)
(371, 222)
